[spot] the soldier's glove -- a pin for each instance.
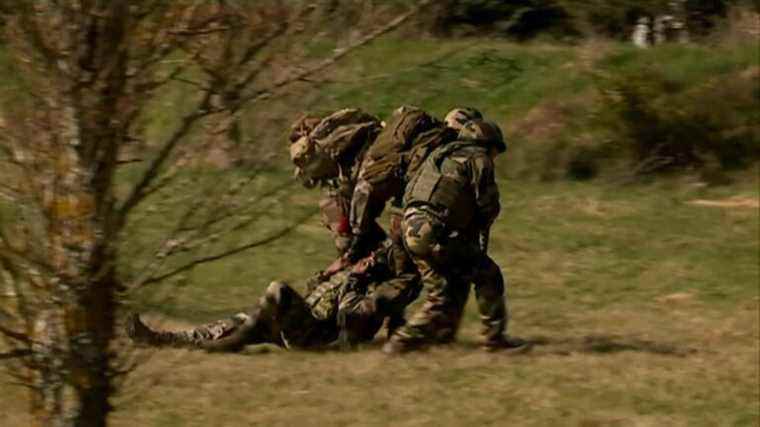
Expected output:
(337, 265)
(363, 266)
(355, 250)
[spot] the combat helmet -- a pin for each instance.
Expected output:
(312, 164)
(458, 117)
(484, 132)
(318, 146)
(303, 126)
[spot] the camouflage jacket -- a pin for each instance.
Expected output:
(324, 298)
(370, 195)
(457, 186)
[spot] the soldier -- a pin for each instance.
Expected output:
(328, 152)
(348, 309)
(450, 205)
(331, 152)
(401, 148)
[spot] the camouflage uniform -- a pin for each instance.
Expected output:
(450, 206)
(313, 142)
(348, 308)
(331, 152)
(384, 173)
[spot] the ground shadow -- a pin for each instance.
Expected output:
(606, 344)
(539, 345)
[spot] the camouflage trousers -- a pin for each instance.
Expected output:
(338, 308)
(282, 317)
(448, 263)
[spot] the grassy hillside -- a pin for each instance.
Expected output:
(643, 298)
(557, 103)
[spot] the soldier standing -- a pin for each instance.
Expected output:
(331, 152)
(328, 152)
(450, 205)
(399, 151)
(641, 33)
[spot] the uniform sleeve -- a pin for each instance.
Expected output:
(367, 204)
(363, 210)
(486, 191)
(334, 209)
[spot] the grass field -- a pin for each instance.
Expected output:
(642, 299)
(643, 302)
(644, 305)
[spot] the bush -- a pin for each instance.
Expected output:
(526, 19)
(521, 19)
(667, 125)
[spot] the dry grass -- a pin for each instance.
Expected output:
(675, 364)
(643, 307)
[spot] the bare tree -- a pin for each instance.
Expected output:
(90, 73)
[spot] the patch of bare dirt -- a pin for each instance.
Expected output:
(731, 202)
(676, 297)
(542, 122)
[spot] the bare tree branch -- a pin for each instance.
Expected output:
(18, 336)
(139, 190)
(225, 254)
(339, 54)
(15, 354)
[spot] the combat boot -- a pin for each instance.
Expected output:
(397, 346)
(395, 322)
(140, 333)
(508, 344)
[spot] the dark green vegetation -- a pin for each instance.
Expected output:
(570, 20)
(577, 111)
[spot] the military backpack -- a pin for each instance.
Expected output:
(401, 148)
(448, 194)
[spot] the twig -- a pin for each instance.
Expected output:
(216, 257)
(139, 191)
(340, 54)
(16, 354)
(18, 336)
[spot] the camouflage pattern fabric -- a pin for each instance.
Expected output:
(457, 185)
(282, 316)
(334, 207)
(407, 138)
(348, 305)
(442, 276)
(214, 330)
(446, 247)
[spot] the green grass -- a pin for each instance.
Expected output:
(644, 306)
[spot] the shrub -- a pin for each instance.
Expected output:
(525, 19)
(665, 124)
(520, 19)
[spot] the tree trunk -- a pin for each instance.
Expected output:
(77, 324)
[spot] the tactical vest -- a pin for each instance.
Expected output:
(323, 300)
(450, 196)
